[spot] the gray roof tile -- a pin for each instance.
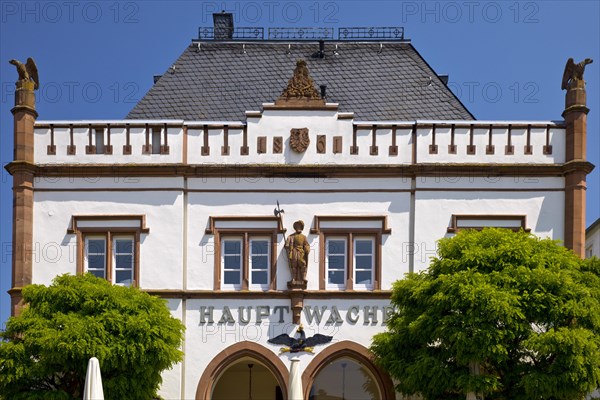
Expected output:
(220, 82)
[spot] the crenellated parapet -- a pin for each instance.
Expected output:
(299, 137)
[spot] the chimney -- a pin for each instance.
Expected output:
(576, 165)
(323, 91)
(223, 26)
(444, 79)
(22, 171)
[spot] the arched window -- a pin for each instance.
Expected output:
(230, 376)
(345, 370)
(246, 379)
(347, 379)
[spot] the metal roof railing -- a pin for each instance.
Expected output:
(301, 33)
(277, 33)
(371, 33)
(246, 33)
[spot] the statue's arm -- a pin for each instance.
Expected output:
(288, 243)
(306, 246)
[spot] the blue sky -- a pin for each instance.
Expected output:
(97, 59)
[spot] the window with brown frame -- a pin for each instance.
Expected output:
(111, 256)
(108, 246)
(245, 252)
(350, 261)
(246, 261)
(478, 222)
(350, 251)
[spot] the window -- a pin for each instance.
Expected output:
(343, 262)
(364, 261)
(115, 262)
(232, 262)
(246, 256)
(350, 248)
(123, 256)
(478, 222)
(335, 262)
(246, 262)
(259, 263)
(109, 246)
(95, 255)
(345, 378)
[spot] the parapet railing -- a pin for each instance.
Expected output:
(429, 139)
(376, 33)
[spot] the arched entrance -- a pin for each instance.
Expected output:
(230, 376)
(345, 370)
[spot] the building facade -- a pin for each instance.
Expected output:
(592, 240)
(194, 196)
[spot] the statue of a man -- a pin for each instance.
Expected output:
(297, 248)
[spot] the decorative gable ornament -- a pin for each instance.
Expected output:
(299, 139)
(300, 90)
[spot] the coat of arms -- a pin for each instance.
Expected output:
(299, 140)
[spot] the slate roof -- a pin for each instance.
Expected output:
(221, 80)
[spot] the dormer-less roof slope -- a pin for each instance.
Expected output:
(222, 80)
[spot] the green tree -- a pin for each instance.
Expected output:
(526, 311)
(47, 347)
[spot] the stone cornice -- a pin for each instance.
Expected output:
(270, 294)
(300, 171)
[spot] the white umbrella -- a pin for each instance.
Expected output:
(93, 381)
(295, 384)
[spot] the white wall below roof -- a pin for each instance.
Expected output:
(592, 240)
(162, 249)
(161, 255)
(499, 141)
(130, 183)
(274, 123)
(437, 198)
(170, 388)
(466, 181)
(297, 206)
(204, 340)
(434, 209)
(294, 184)
(117, 140)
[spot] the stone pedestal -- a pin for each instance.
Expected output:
(296, 292)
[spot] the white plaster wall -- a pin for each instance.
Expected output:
(280, 122)
(161, 257)
(593, 240)
(170, 387)
(204, 340)
(131, 183)
(433, 211)
(117, 139)
(200, 265)
(512, 183)
(499, 140)
(293, 184)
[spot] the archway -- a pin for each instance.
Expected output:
(228, 375)
(345, 370)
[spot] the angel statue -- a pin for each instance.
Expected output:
(27, 72)
(574, 72)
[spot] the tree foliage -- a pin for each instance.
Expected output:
(526, 310)
(47, 348)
